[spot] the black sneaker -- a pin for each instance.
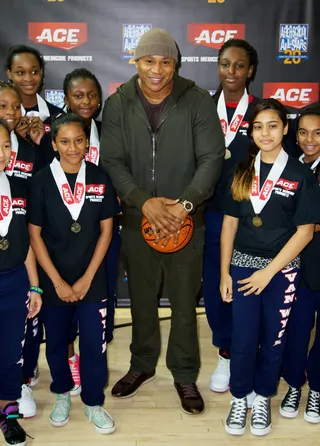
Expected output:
(261, 416)
(11, 429)
(236, 421)
(312, 412)
(289, 407)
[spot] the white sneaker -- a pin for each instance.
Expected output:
(101, 419)
(36, 377)
(27, 405)
(60, 413)
(220, 378)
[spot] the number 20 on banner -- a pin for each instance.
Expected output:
(293, 57)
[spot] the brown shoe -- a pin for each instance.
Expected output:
(190, 397)
(130, 383)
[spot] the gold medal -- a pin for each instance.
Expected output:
(257, 222)
(4, 244)
(75, 227)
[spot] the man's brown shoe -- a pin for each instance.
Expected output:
(190, 397)
(130, 383)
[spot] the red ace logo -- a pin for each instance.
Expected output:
(224, 126)
(79, 191)
(214, 35)
(58, 34)
(254, 187)
(24, 166)
(66, 193)
(292, 94)
(289, 185)
(235, 123)
(267, 188)
(12, 161)
(18, 202)
(5, 205)
(96, 189)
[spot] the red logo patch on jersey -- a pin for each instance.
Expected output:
(96, 189)
(24, 166)
(289, 185)
(244, 125)
(19, 202)
(47, 128)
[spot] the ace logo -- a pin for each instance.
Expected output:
(58, 34)
(214, 35)
(292, 94)
(95, 189)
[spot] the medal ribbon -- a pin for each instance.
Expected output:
(73, 201)
(314, 164)
(230, 131)
(259, 198)
(43, 112)
(93, 153)
(14, 154)
(5, 205)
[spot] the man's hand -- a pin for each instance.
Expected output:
(158, 213)
(178, 211)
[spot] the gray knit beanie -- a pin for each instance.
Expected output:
(156, 42)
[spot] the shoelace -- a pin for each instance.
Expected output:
(292, 397)
(131, 377)
(260, 410)
(314, 402)
(61, 406)
(238, 410)
(101, 416)
(75, 373)
(190, 391)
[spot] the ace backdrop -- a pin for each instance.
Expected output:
(102, 35)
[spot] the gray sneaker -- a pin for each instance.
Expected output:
(261, 416)
(236, 421)
(312, 412)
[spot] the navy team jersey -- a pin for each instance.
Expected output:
(71, 253)
(27, 161)
(18, 235)
(291, 204)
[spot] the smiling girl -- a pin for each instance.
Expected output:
(70, 224)
(270, 216)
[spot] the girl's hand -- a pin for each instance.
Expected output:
(256, 283)
(66, 293)
(23, 127)
(226, 288)
(81, 287)
(35, 304)
(37, 130)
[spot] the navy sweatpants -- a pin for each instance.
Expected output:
(92, 345)
(259, 332)
(296, 361)
(112, 260)
(219, 313)
(31, 349)
(14, 288)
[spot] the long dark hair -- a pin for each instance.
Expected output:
(62, 120)
(251, 53)
(243, 178)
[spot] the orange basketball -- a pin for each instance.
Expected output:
(183, 239)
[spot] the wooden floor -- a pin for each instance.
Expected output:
(153, 416)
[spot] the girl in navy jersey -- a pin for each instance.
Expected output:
(307, 305)
(23, 164)
(18, 300)
(237, 67)
(71, 216)
(83, 96)
(25, 69)
(269, 219)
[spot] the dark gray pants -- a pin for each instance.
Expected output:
(181, 271)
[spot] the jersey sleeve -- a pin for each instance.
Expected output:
(36, 209)
(307, 202)
(110, 207)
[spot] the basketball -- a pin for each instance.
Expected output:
(183, 239)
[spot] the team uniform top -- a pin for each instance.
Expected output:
(310, 256)
(71, 252)
(26, 162)
(239, 148)
(18, 235)
(291, 204)
(46, 151)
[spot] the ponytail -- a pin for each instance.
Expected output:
(244, 176)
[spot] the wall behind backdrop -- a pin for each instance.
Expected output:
(102, 35)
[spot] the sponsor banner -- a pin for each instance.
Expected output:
(63, 35)
(214, 35)
(131, 33)
(112, 87)
(293, 43)
(55, 97)
(292, 94)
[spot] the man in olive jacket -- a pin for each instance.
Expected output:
(163, 147)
